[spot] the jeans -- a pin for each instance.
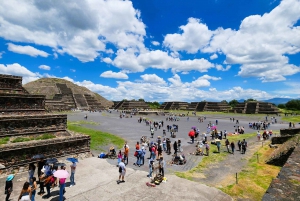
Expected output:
(164, 147)
(72, 178)
(33, 195)
(153, 155)
(138, 160)
(150, 171)
(48, 189)
(61, 192)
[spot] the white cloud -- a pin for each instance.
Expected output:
(110, 74)
(28, 50)
(152, 78)
(156, 43)
(260, 45)
(83, 28)
(107, 60)
(214, 56)
(194, 37)
(220, 67)
(44, 67)
(129, 60)
(73, 70)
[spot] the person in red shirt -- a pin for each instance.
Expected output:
(137, 146)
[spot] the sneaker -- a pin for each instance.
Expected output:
(71, 186)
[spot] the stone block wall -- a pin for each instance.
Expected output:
(289, 131)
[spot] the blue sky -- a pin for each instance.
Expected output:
(157, 50)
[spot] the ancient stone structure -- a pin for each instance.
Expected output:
(175, 105)
(26, 129)
(255, 107)
(130, 105)
(209, 106)
(287, 184)
(64, 95)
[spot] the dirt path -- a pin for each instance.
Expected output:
(224, 172)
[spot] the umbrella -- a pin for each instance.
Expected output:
(51, 160)
(38, 156)
(59, 164)
(192, 133)
(213, 127)
(10, 177)
(73, 160)
(61, 174)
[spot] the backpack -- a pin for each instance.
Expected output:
(135, 153)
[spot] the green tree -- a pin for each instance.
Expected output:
(224, 101)
(293, 105)
(141, 99)
(233, 103)
(249, 99)
(282, 106)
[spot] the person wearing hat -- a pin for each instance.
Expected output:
(9, 186)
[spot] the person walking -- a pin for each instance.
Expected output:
(143, 156)
(62, 185)
(175, 147)
(31, 170)
(150, 168)
(25, 194)
(244, 146)
(72, 177)
(168, 146)
(122, 171)
(232, 145)
(9, 186)
(258, 135)
(218, 142)
(225, 134)
(162, 165)
(207, 148)
(239, 145)
(227, 143)
(120, 156)
(126, 153)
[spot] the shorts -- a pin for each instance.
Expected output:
(25, 198)
(122, 173)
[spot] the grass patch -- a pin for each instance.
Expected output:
(98, 138)
(213, 158)
(45, 137)
(254, 180)
(78, 123)
(21, 139)
(293, 119)
(4, 140)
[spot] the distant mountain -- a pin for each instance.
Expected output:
(241, 100)
(277, 101)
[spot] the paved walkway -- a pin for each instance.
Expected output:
(96, 180)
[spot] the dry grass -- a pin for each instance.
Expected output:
(254, 180)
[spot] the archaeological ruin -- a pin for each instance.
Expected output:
(255, 107)
(64, 95)
(27, 129)
(130, 105)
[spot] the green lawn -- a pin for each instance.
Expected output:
(255, 178)
(4, 140)
(98, 138)
(293, 119)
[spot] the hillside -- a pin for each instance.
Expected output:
(47, 87)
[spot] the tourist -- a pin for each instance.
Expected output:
(33, 188)
(25, 194)
(152, 132)
(164, 142)
(168, 146)
(150, 168)
(122, 171)
(159, 150)
(244, 146)
(120, 156)
(225, 134)
(62, 184)
(227, 143)
(41, 164)
(207, 148)
(137, 146)
(232, 147)
(9, 186)
(179, 146)
(239, 145)
(162, 165)
(258, 135)
(31, 170)
(126, 153)
(72, 178)
(153, 152)
(218, 143)
(143, 156)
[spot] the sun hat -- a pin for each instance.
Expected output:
(10, 177)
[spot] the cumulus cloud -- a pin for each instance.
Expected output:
(1, 53)
(152, 78)
(195, 36)
(83, 29)
(110, 74)
(107, 60)
(129, 60)
(156, 43)
(214, 56)
(260, 45)
(28, 50)
(44, 67)
(221, 68)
